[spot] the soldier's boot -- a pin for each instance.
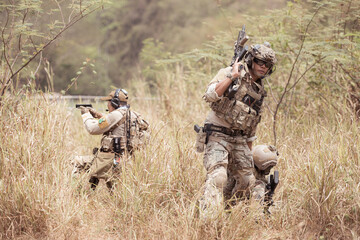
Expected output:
(94, 181)
(110, 186)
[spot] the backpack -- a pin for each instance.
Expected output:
(136, 130)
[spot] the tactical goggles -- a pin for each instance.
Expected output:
(261, 63)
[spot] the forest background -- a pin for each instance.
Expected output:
(164, 53)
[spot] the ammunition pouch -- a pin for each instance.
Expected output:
(241, 106)
(238, 114)
(252, 102)
(106, 144)
(109, 145)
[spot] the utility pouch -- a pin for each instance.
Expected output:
(117, 144)
(107, 144)
(200, 140)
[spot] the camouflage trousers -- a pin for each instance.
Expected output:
(226, 158)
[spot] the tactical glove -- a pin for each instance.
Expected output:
(95, 113)
(84, 110)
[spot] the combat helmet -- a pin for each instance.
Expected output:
(265, 157)
(262, 52)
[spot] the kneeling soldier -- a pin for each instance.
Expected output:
(123, 132)
(265, 158)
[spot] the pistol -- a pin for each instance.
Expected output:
(270, 187)
(83, 105)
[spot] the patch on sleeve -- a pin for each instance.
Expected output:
(103, 123)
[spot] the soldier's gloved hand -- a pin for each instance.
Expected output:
(84, 110)
(95, 113)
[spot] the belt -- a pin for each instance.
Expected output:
(111, 151)
(224, 130)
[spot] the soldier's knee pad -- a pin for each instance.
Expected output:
(258, 190)
(219, 177)
(245, 180)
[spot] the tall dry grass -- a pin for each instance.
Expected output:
(157, 194)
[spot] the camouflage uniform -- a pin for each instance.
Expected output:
(265, 158)
(229, 126)
(122, 124)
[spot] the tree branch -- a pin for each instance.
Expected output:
(291, 73)
(62, 15)
(323, 97)
(4, 43)
(303, 74)
(23, 21)
(74, 20)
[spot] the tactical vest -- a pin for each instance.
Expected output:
(242, 110)
(131, 130)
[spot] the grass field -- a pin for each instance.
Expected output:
(158, 192)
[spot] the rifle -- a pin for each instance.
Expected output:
(239, 52)
(83, 105)
(270, 188)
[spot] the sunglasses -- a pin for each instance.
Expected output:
(261, 63)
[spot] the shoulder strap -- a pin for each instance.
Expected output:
(122, 120)
(127, 128)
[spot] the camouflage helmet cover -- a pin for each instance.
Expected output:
(265, 156)
(263, 52)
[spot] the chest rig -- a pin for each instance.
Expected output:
(241, 104)
(128, 133)
(117, 131)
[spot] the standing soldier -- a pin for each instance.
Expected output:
(235, 95)
(123, 132)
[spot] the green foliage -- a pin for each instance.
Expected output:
(29, 28)
(174, 23)
(158, 191)
(318, 51)
(315, 52)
